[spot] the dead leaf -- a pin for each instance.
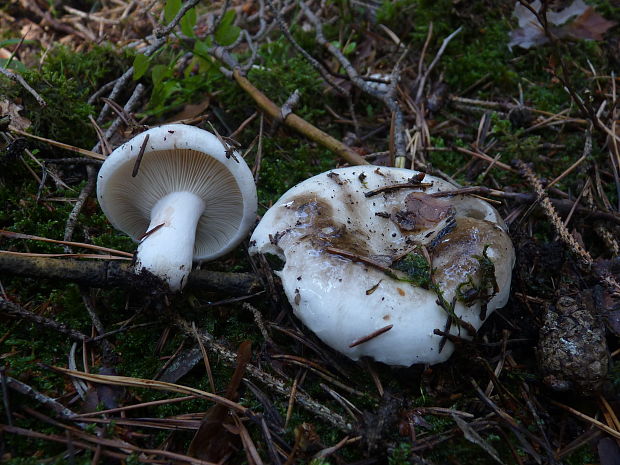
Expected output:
(181, 366)
(576, 21)
(102, 394)
(608, 452)
(12, 110)
(214, 440)
(472, 436)
(191, 110)
(590, 25)
(422, 211)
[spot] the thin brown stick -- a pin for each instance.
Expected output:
(136, 166)
(93, 440)
(299, 124)
(61, 145)
(370, 336)
(470, 191)
(358, 258)
(393, 187)
(150, 231)
(85, 193)
(16, 235)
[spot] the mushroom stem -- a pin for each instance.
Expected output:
(168, 249)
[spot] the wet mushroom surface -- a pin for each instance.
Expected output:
(378, 260)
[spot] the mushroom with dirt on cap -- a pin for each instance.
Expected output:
(182, 194)
(379, 260)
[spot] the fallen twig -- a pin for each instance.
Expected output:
(106, 274)
(17, 310)
(277, 385)
(56, 406)
(299, 124)
(19, 79)
(85, 193)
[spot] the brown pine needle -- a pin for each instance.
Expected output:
(16, 235)
(370, 336)
(610, 412)
(135, 406)
(592, 421)
(485, 157)
(151, 384)
(85, 152)
(136, 166)
(291, 399)
(150, 231)
(65, 255)
(205, 357)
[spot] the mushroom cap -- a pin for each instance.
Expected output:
(180, 158)
(328, 231)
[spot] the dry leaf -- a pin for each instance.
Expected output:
(590, 25)
(422, 211)
(608, 451)
(214, 441)
(577, 21)
(12, 110)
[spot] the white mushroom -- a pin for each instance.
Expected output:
(180, 192)
(356, 270)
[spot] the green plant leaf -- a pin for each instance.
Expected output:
(201, 48)
(14, 64)
(349, 48)
(162, 92)
(226, 32)
(140, 66)
(171, 9)
(159, 73)
(5, 42)
(188, 21)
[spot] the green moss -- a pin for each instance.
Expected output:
(584, 455)
(401, 455)
(608, 9)
(65, 81)
(416, 268)
(287, 162)
(283, 71)
(480, 53)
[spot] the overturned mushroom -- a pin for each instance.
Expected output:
(357, 244)
(180, 192)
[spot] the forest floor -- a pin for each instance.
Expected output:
(517, 101)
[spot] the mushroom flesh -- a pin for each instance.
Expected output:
(182, 194)
(377, 261)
